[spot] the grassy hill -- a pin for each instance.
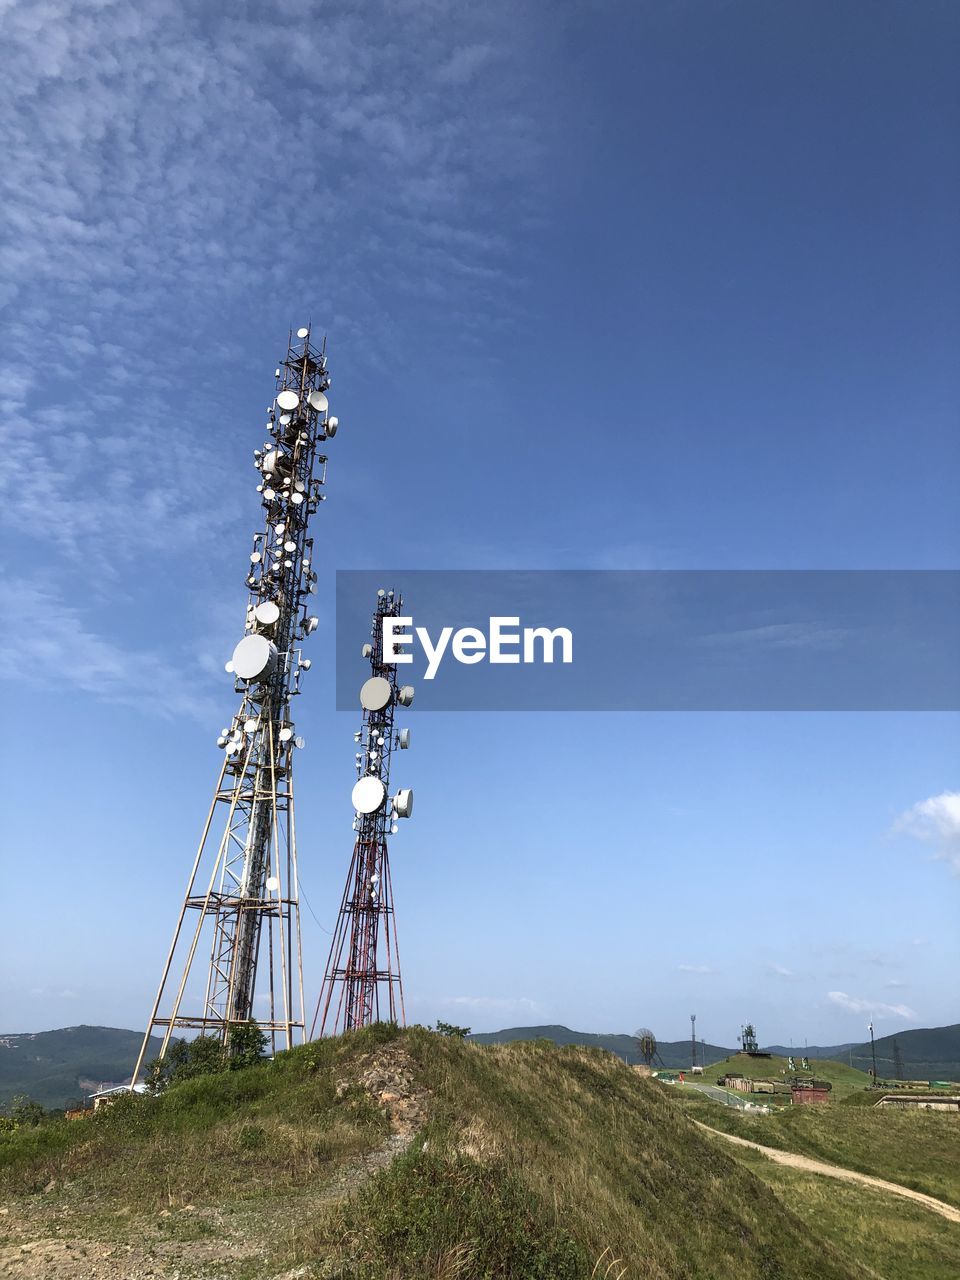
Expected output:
(927, 1053)
(845, 1079)
(382, 1155)
(53, 1066)
(673, 1053)
(919, 1149)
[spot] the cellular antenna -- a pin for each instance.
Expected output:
(243, 957)
(362, 982)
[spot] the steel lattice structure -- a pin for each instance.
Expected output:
(244, 886)
(362, 981)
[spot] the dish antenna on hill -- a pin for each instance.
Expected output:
(647, 1046)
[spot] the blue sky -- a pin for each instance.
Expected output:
(614, 286)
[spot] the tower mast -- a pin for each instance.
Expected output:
(244, 886)
(363, 968)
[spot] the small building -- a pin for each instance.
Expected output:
(103, 1097)
(805, 1092)
(741, 1083)
(921, 1101)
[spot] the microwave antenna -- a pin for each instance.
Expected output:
(362, 981)
(238, 960)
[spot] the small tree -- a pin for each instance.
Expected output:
(246, 1046)
(449, 1029)
(24, 1112)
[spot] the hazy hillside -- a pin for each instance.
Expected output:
(674, 1053)
(927, 1053)
(404, 1155)
(51, 1066)
(930, 1054)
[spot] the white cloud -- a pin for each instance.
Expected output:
(875, 1008)
(936, 821)
(48, 642)
(494, 1004)
(695, 968)
(779, 971)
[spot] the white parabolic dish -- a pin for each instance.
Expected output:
(288, 401)
(267, 612)
(368, 794)
(318, 401)
(254, 656)
(375, 694)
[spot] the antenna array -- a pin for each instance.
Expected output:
(244, 885)
(362, 981)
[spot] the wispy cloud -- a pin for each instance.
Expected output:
(48, 642)
(936, 821)
(780, 971)
(493, 1004)
(780, 635)
(875, 1008)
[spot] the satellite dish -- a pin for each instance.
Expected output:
(288, 401)
(303, 333)
(375, 694)
(249, 726)
(366, 651)
(403, 804)
(368, 795)
(405, 696)
(254, 657)
(269, 494)
(275, 460)
(286, 733)
(311, 625)
(299, 743)
(647, 1044)
(228, 666)
(290, 546)
(394, 829)
(296, 498)
(273, 884)
(318, 401)
(404, 739)
(267, 613)
(305, 664)
(330, 426)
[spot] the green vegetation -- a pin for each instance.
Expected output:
(918, 1149)
(50, 1065)
(524, 1160)
(845, 1080)
(891, 1237)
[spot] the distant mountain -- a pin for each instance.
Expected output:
(673, 1053)
(927, 1053)
(931, 1054)
(54, 1066)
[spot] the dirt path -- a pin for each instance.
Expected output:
(806, 1165)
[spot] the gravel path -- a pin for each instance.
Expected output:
(804, 1163)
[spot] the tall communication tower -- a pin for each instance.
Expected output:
(693, 1040)
(362, 980)
(243, 889)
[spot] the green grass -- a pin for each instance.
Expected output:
(892, 1238)
(918, 1149)
(845, 1079)
(534, 1161)
(239, 1133)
